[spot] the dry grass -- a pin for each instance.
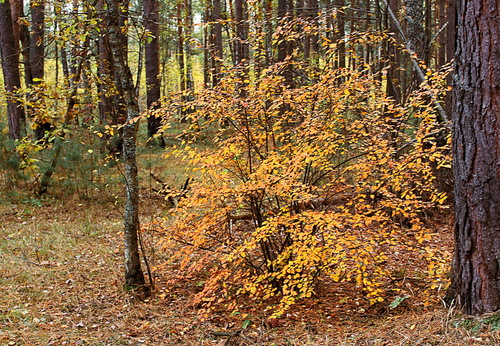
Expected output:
(60, 284)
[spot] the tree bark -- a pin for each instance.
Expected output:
(10, 67)
(134, 277)
(217, 53)
(475, 285)
(37, 60)
(151, 17)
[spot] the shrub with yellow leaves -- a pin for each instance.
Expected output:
(315, 182)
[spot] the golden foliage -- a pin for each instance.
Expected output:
(322, 181)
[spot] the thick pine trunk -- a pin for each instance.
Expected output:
(10, 67)
(476, 149)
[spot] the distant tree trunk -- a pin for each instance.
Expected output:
(216, 39)
(427, 49)
(268, 14)
(242, 51)
(282, 45)
(37, 47)
(341, 34)
(415, 37)
(180, 48)
(394, 75)
(188, 51)
(475, 285)
(105, 83)
(152, 57)
(37, 57)
(450, 48)
(311, 47)
(134, 277)
(441, 51)
(10, 67)
(24, 35)
(206, 49)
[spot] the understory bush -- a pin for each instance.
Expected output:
(324, 182)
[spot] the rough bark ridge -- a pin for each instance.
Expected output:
(476, 149)
(134, 278)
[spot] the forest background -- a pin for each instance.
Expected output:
(279, 170)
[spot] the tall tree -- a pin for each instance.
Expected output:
(10, 67)
(216, 42)
(134, 277)
(241, 51)
(476, 149)
(151, 18)
(37, 58)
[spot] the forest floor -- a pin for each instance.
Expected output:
(61, 284)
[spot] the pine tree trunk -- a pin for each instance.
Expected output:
(151, 24)
(476, 150)
(37, 58)
(217, 53)
(10, 67)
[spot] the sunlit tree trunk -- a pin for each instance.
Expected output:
(10, 67)
(475, 283)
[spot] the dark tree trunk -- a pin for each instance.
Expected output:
(282, 45)
(450, 48)
(475, 283)
(441, 52)
(268, 14)
(152, 56)
(180, 48)
(37, 48)
(341, 34)
(105, 84)
(395, 59)
(415, 37)
(24, 35)
(111, 103)
(37, 60)
(10, 67)
(134, 277)
(311, 47)
(242, 52)
(216, 39)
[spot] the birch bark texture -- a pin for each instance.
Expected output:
(134, 277)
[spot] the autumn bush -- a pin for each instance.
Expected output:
(321, 182)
